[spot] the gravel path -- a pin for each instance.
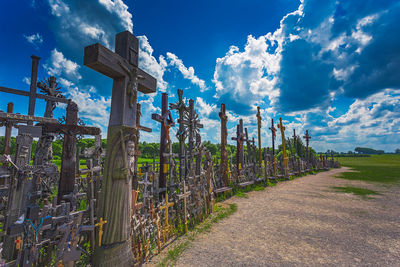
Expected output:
(305, 223)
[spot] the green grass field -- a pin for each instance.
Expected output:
(377, 168)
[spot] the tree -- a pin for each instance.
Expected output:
(397, 151)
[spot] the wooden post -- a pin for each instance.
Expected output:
(33, 86)
(259, 136)
(7, 136)
(273, 133)
(224, 154)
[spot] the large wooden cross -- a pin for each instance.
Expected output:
(239, 146)
(70, 130)
(285, 158)
(259, 135)
(115, 200)
(193, 125)
(224, 153)
(166, 123)
(273, 133)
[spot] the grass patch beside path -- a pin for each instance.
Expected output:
(221, 211)
(355, 190)
(377, 168)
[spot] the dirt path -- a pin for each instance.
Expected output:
(305, 223)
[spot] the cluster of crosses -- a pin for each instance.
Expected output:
(116, 212)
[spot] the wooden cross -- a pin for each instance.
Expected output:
(239, 145)
(307, 137)
(32, 93)
(259, 135)
(7, 135)
(166, 207)
(249, 156)
(184, 196)
(122, 67)
(100, 225)
(166, 122)
(224, 154)
(135, 206)
(70, 130)
(285, 158)
(145, 182)
(193, 126)
(273, 133)
(295, 141)
(181, 107)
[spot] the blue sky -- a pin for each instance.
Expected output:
(328, 66)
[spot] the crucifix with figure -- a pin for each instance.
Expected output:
(285, 158)
(115, 196)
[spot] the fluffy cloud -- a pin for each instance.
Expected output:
(150, 64)
(35, 39)
(323, 49)
(188, 73)
(60, 66)
(92, 108)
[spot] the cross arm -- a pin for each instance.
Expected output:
(70, 129)
(26, 93)
(105, 61)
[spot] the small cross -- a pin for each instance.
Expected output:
(135, 205)
(166, 207)
(100, 225)
(184, 196)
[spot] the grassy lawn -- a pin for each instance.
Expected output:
(377, 168)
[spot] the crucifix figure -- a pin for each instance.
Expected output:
(115, 196)
(181, 107)
(224, 153)
(273, 133)
(285, 158)
(166, 123)
(307, 137)
(259, 136)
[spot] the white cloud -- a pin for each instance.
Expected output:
(119, 8)
(188, 73)
(59, 65)
(27, 80)
(35, 39)
(150, 64)
(91, 106)
(204, 108)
